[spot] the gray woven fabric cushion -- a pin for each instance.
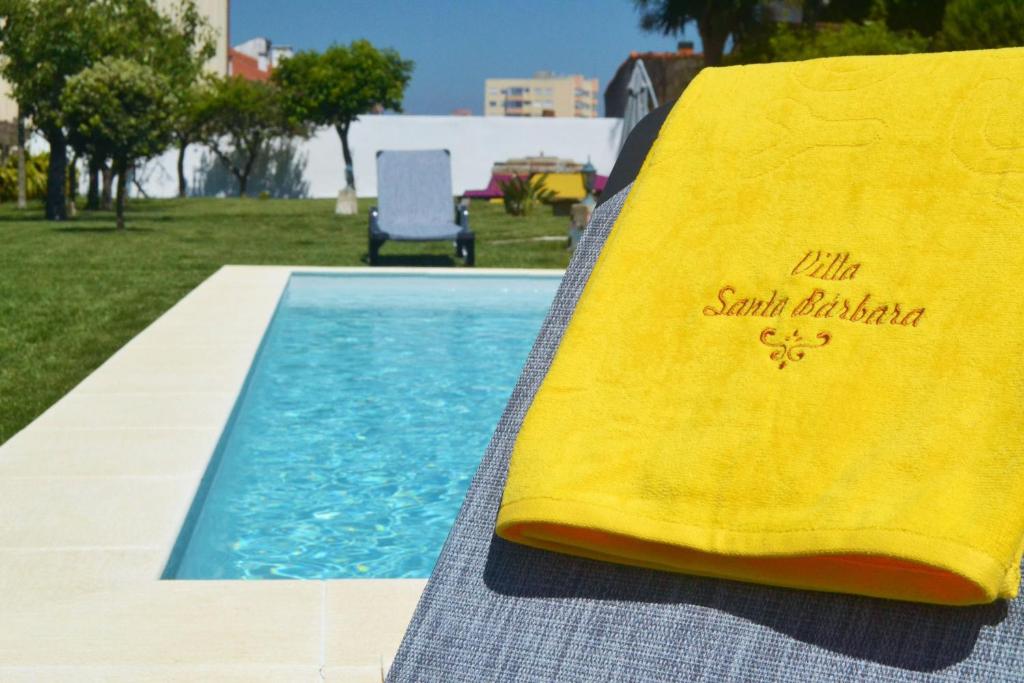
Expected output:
(414, 195)
(499, 611)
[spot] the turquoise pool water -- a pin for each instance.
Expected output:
(362, 421)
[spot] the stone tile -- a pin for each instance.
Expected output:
(222, 309)
(250, 624)
(50, 512)
(366, 619)
(99, 452)
(139, 411)
(172, 369)
(354, 674)
(28, 575)
(161, 674)
(247, 333)
(223, 295)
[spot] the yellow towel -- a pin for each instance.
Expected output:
(799, 359)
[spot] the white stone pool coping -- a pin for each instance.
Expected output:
(94, 492)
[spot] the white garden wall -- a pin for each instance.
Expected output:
(475, 143)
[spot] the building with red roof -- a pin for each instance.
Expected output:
(670, 73)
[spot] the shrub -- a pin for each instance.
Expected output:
(871, 38)
(973, 25)
(35, 177)
(522, 193)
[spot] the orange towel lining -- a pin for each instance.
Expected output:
(845, 572)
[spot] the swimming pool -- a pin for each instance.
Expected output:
(364, 416)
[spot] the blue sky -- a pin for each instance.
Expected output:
(456, 45)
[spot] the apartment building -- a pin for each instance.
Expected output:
(545, 94)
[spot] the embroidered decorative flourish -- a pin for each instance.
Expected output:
(792, 347)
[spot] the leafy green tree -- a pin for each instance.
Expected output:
(189, 44)
(920, 16)
(829, 27)
(716, 20)
(186, 126)
(45, 42)
(977, 25)
(334, 87)
(117, 109)
(239, 117)
(871, 38)
(834, 29)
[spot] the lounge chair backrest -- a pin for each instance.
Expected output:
(414, 189)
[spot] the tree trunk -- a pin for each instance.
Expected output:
(72, 186)
(182, 186)
(243, 177)
(714, 43)
(22, 189)
(350, 176)
(56, 176)
(122, 187)
(92, 195)
(107, 174)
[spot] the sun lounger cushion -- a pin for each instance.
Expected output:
(500, 611)
(415, 195)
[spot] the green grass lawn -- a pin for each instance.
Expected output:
(72, 293)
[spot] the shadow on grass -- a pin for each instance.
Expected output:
(25, 216)
(421, 260)
(72, 229)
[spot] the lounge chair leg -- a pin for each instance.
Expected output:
(375, 245)
(466, 248)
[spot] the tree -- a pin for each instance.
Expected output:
(828, 27)
(186, 126)
(334, 87)
(921, 16)
(839, 28)
(117, 109)
(190, 44)
(238, 117)
(177, 44)
(870, 38)
(45, 42)
(978, 25)
(716, 20)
